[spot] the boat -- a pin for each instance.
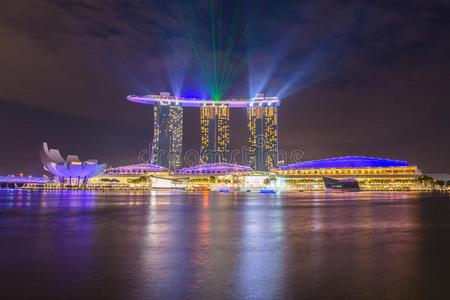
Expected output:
(267, 191)
(342, 185)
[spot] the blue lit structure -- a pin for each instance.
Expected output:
(12, 181)
(347, 162)
(71, 167)
(371, 174)
(23, 179)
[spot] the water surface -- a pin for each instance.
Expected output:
(166, 245)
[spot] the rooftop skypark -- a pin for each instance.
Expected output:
(191, 102)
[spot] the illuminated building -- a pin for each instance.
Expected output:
(371, 173)
(126, 175)
(138, 169)
(167, 134)
(214, 169)
(213, 176)
(263, 134)
(193, 102)
(215, 128)
(215, 133)
(70, 169)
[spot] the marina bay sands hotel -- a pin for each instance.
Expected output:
(262, 117)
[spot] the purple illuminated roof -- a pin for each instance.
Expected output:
(189, 102)
(136, 169)
(218, 168)
(347, 162)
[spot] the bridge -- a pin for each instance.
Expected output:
(12, 181)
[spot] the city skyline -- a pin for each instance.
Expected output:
(225, 149)
(369, 80)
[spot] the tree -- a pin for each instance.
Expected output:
(140, 180)
(109, 180)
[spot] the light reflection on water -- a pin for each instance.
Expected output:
(261, 261)
(86, 244)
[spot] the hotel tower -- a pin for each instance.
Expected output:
(262, 115)
(215, 133)
(263, 134)
(167, 134)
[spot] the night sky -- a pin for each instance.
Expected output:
(368, 78)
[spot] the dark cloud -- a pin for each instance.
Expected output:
(367, 77)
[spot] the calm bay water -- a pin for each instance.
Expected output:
(151, 245)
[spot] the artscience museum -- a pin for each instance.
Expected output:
(70, 170)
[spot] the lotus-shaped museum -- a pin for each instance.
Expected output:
(71, 167)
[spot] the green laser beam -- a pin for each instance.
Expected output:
(176, 50)
(216, 70)
(193, 44)
(244, 38)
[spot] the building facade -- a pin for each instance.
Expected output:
(215, 133)
(70, 170)
(263, 136)
(372, 174)
(167, 135)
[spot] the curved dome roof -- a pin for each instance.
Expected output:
(347, 162)
(136, 169)
(217, 168)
